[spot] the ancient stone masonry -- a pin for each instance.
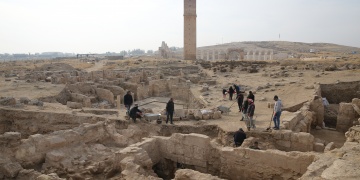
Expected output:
(189, 29)
(234, 53)
(59, 122)
(165, 52)
(207, 156)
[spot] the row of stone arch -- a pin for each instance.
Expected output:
(234, 54)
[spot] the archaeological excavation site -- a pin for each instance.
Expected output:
(66, 119)
(252, 110)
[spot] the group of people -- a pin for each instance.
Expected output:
(135, 112)
(235, 89)
(248, 109)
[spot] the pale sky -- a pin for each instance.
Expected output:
(97, 26)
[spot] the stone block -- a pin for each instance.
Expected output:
(24, 100)
(198, 140)
(306, 138)
(329, 147)
(56, 141)
(170, 147)
(8, 101)
(12, 135)
(199, 153)
(356, 104)
(353, 135)
(319, 147)
(179, 149)
(188, 150)
(206, 116)
(105, 94)
(55, 156)
(277, 134)
(10, 169)
(346, 117)
(285, 144)
(217, 115)
(74, 105)
(198, 115)
(287, 135)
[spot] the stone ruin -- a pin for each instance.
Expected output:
(91, 140)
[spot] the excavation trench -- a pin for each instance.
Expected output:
(164, 155)
(338, 108)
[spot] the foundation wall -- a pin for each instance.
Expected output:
(346, 117)
(340, 92)
(226, 162)
(34, 122)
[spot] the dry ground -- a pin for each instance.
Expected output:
(293, 92)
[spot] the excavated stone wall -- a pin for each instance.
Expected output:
(33, 122)
(340, 92)
(347, 116)
(342, 163)
(208, 157)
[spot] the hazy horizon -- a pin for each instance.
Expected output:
(95, 26)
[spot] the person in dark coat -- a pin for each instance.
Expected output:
(240, 99)
(128, 100)
(135, 112)
(239, 137)
(237, 88)
(170, 111)
(224, 93)
(244, 109)
(251, 96)
(231, 92)
(250, 112)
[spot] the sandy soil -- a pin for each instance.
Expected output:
(293, 92)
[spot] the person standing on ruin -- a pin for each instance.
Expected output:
(240, 99)
(170, 111)
(237, 88)
(277, 112)
(251, 96)
(244, 110)
(128, 101)
(224, 93)
(239, 137)
(250, 112)
(231, 92)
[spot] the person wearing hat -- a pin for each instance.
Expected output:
(135, 112)
(277, 112)
(239, 137)
(250, 112)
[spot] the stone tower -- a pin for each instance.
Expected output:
(190, 29)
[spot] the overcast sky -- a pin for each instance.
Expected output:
(96, 26)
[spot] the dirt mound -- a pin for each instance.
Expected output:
(55, 67)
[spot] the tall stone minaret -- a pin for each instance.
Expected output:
(190, 29)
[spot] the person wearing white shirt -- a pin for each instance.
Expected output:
(277, 112)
